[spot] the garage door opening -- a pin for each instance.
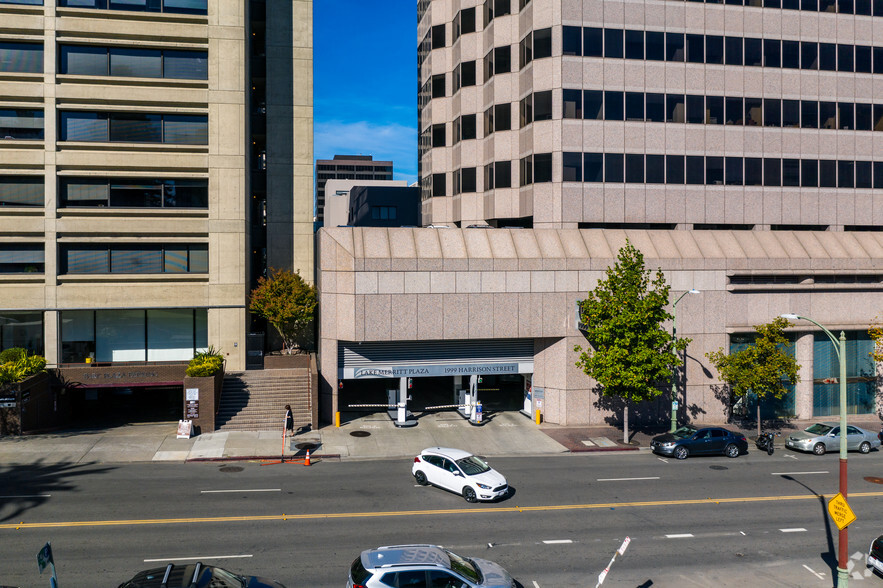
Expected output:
(111, 407)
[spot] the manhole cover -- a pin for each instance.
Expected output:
(718, 467)
(310, 446)
(231, 469)
(874, 480)
(360, 434)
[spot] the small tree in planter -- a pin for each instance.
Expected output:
(288, 303)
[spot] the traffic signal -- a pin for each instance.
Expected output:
(410, 383)
(479, 379)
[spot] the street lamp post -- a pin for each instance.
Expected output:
(840, 348)
(674, 375)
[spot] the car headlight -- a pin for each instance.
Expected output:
(669, 444)
(483, 486)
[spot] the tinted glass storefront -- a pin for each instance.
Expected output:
(22, 329)
(860, 375)
(770, 408)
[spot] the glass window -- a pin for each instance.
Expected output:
(21, 57)
(438, 135)
(863, 174)
(861, 384)
(593, 42)
(613, 43)
(525, 170)
(675, 110)
(437, 34)
(655, 169)
(634, 44)
(791, 113)
(191, 65)
(790, 172)
(572, 167)
(83, 259)
(438, 185)
(79, 60)
(120, 335)
(634, 106)
(170, 334)
(593, 168)
(845, 174)
(503, 174)
(753, 171)
(655, 45)
(140, 63)
(542, 43)
(572, 103)
(733, 171)
(878, 59)
(878, 174)
(714, 49)
(21, 191)
(136, 128)
(772, 171)
(809, 173)
(185, 193)
(198, 258)
(845, 58)
(696, 109)
(828, 115)
(863, 59)
(846, 115)
(502, 117)
(863, 7)
(467, 20)
(18, 258)
(571, 40)
(655, 107)
(772, 53)
(791, 54)
(438, 86)
(185, 129)
(828, 56)
(674, 46)
(695, 49)
(674, 169)
(468, 127)
(634, 168)
(864, 120)
(542, 167)
(542, 105)
(186, 6)
(809, 55)
(714, 106)
(21, 124)
(695, 169)
(467, 180)
(754, 52)
(135, 195)
(594, 103)
(809, 114)
(467, 73)
(714, 170)
(136, 260)
(613, 167)
(753, 112)
(84, 126)
(827, 173)
(613, 105)
(772, 112)
(77, 335)
(733, 53)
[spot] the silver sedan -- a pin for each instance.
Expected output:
(823, 437)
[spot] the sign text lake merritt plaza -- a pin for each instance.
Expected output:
(423, 371)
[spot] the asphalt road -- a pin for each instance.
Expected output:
(713, 521)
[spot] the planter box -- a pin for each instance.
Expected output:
(286, 362)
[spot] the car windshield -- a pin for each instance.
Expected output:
(877, 547)
(818, 429)
(223, 579)
(684, 432)
(464, 567)
(473, 465)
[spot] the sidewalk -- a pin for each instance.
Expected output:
(369, 437)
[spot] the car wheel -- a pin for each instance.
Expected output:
(732, 451)
(469, 494)
(421, 478)
(681, 452)
(819, 449)
(865, 447)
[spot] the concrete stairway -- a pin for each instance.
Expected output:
(255, 400)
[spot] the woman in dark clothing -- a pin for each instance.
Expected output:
(289, 419)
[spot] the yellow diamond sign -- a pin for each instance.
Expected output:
(839, 510)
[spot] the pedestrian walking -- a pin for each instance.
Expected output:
(289, 419)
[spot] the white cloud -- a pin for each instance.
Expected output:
(385, 142)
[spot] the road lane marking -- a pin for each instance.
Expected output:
(625, 479)
(247, 490)
(795, 530)
(535, 585)
(412, 513)
(197, 558)
(796, 473)
(27, 496)
(791, 456)
(551, 541)
(680, 536)
(815, 573)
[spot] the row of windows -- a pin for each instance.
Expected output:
(107, 192)
(715, 49)
(107, 61)
(21, 124)
(859, 7)
(171, 6)
(721, 110)
(129, 127)
(140, 63)
(113, 258)
(639, 168)
(22, 258)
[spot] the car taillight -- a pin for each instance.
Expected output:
(743, 438)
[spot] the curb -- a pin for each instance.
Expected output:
(291, 458)
(596, 449)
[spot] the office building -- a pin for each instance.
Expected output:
(347, 167)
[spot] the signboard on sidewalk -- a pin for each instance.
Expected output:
(185, 429)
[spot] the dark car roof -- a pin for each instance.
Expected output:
(181, 576)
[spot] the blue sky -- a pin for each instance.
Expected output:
(365, 75)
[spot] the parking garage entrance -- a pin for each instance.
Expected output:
(434, 376)
(114, 406)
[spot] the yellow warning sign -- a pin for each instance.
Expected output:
(839, 510)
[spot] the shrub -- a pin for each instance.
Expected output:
(12, 354)
(21, 369)
(205, 363)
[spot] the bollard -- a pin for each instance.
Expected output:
(539, 417)
(337, 419)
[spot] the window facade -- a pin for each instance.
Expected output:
(22, 191)
(22, 258)
(23, 329)
(860, 375)
(21, 57)
(133, 127)
(171, 6)
(120, 258)
(133, 193)
(21, 124)
(130, 62)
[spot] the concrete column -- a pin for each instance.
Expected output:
(803, 352)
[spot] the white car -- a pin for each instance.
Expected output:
(460, 472)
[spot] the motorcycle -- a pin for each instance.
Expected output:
(765, 442)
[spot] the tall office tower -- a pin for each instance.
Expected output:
(155, 158)
(347, 167)
(652, 113)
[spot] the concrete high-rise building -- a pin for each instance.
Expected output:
(155, 159)
(347, 167)
(737, 144)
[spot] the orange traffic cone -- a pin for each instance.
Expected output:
(307, 459)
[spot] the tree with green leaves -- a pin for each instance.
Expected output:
(288, 303)
(764, 368)
(876, 333)
(629, 352)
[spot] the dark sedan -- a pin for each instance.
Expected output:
(688, 441)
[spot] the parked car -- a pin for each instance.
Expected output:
(688, 441)
(875, 554)
(196, 576)
(823, 437)
(460, 472)
(424, 566)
